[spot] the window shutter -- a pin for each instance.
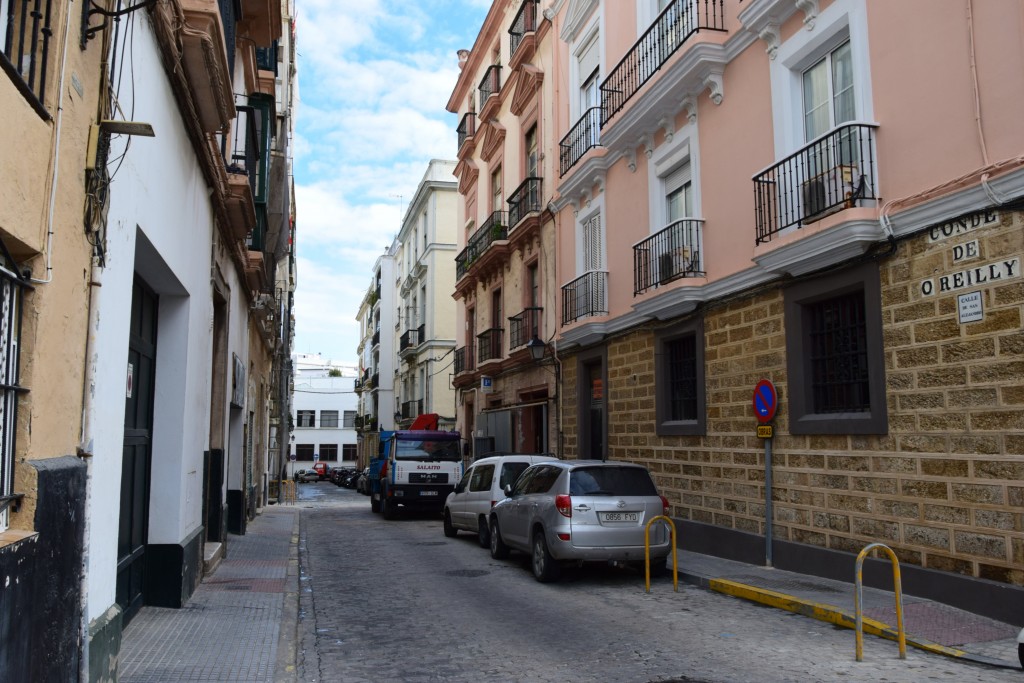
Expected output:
(677, 178)
(589, 60)
(592, 244)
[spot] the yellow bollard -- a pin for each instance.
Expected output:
(858, 599)
(647, 552)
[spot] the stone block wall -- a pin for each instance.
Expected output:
(944, 487)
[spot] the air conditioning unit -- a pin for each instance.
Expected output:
(672, 264)
(828, 192)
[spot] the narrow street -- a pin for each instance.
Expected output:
(397, 601)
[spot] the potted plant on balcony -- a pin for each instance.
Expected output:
(496, 230)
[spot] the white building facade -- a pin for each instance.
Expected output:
(325, 405)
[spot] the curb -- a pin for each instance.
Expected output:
(285, 670)
(836, 616)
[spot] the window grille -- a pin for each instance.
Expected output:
(682, 366)
(837, 333)
(11, 291)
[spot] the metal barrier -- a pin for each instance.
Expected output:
(859, 599)
(287, 494)
(647, 552)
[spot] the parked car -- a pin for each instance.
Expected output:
(363, 483)
(307, 476)
(335, 474)
(580, 511)
(483, 485)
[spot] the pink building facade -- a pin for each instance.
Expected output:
(824, 194)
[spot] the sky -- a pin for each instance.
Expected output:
(374, 79)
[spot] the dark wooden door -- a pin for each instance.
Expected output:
(136, 463)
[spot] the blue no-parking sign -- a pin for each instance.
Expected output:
(766, 401)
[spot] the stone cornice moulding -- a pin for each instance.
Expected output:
(763, 18)
(576, 18)
(527, 86)
(840, 243)
(494, 138)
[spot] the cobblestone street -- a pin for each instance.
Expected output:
(397, 601)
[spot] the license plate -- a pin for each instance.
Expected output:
(619, 516)
(428, 493)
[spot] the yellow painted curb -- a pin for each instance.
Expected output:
(823, 612)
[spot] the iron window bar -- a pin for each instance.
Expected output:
(831, 173)
(490, 84)
(585, 296)
(524, 200)
(673, 27)
(524, 327)
(489, 344)
(12, 288)
(467, 127)
(12, 501)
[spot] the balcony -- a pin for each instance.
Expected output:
(834, 172)
(376, 338)
(409, 340)
(466, 129)
(525, 200)
(524, 327)
(411, 409)
(490, 87)
(585, 296)
(585, 135)
(25, 52)
(375, 380)
(464, 360)
(673, 27)
(668, 255)
(493, 229)
(241, 210)
(266, 58)
(521, 33)
(204, 63)
(488, 345)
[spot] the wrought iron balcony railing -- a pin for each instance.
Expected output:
(585, 296)
(668, 255)
(524, 327)
(409, 339)
(266, 58)
(376, 338)
(490, 84)
(676, 23)
(525, 22)
(493, 229)
(585, 135)
(25, 39)
(467, 128)
(421, 333)
(411, 409)
(375, 380)
(245, 146)
(464, 359)
(832, 173)
(488, 345)
(525, 200)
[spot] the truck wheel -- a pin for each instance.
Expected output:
(499, 550)
(374, 504)
(449, 530)
(387, 508)
(545, 567)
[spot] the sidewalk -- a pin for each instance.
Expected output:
(929, 625)
(240, 624)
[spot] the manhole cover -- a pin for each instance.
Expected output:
(468, 573)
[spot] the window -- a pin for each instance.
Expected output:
(349, 451)
(679, 369)
(510, 472)
(304, 451)
(329, 451)
(10, 342)
(328, 418)
(497, 200)
(531, 155)
(349, 418)
(834, 354)
(593, 239)
(306, 418)
(482, 478)
(828, 93)
(542, 480)
(678, 195)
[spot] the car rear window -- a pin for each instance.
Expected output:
(611, 481)
(510, 471)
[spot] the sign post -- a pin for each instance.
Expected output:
(766, 402)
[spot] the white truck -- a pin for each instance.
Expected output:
(420, 469)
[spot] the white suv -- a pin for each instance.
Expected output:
(468, 506)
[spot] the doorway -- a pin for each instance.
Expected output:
(136, 454)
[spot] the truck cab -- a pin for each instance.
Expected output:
(418, 469)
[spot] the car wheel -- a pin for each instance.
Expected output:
(499, 550)
(545, 567)
(483, 534)
(449, 530)
(387, 508)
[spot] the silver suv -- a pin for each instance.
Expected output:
(580, 511)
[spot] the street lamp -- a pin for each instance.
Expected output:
(537, 349)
